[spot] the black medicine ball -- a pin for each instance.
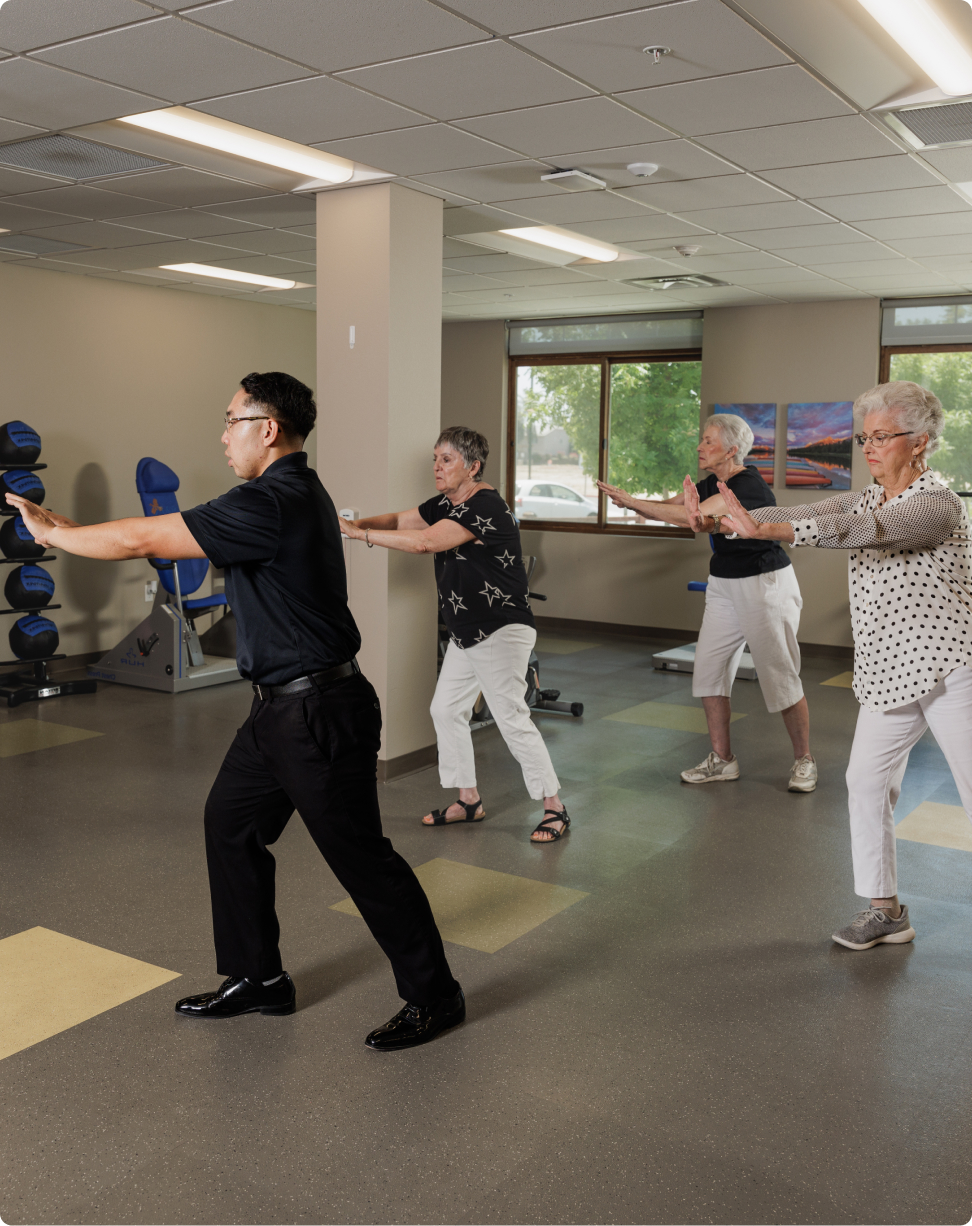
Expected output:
(27, 485)
(16, 541)
(28, 587)
(33, 638)
(18, 443)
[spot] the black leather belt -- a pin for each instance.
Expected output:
(312, 682)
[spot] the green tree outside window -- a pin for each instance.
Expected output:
(949, 376)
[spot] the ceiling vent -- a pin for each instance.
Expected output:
(692, 280)
(69, 157)
(27, 244)
(928, 126)
(574, 181)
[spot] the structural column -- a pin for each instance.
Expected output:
(379, 341)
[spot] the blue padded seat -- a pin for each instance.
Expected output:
(157, 484)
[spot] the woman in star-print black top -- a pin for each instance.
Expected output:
(485, 605)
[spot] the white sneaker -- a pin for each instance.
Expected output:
(803, 776)
(713, 770)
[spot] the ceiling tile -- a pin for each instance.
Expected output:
(917, 227)
(468, 81)
(542, 276)
(955, 164)
(795, 291)
(706, 38)
(474, 219)
(515, 17)
(440, 193)
(740, 261)
(312, 111)
(757, 99)
(799, 236)
(264, 265)
(709, 245)
(704, 193)
(28, 25)
(16, 182)
(756, 216)
(566, 208)
(95, 234)
(770, 276)
(273, 211)
(675, 159)
(152, 254)
(183, 223)
(908, 202)
(34, 93)
(494, 263)
(507, 181)
(836, 253)
(273, 242)
(463, 281)
(800, 144)
(868, 268)
(354, 31)
(82, 201)
(184, 188)
(17, 217)
(843, 178)
(545, 131)
(900, 284)
(939, 244)
(417, 151)
(170, 58)
(637, 229)
(14, 131)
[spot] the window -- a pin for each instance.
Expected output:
(945, 370)
(631, 420)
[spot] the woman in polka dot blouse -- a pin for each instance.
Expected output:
(910, 578)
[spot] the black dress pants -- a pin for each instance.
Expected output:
(315, 752)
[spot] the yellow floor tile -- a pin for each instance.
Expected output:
(561, 647)
(844, 680)
(667, 715)
(481, 908)
(26, 735)
(52, 982)
(941, 825)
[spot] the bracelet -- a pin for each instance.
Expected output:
(716, 522)
(368, 542)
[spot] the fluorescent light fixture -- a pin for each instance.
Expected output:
(565, 240)
(923, 29)
(229, 274)
(233, 138)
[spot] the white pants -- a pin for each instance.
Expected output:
(878, 759)
(763, 611)
(497, 667)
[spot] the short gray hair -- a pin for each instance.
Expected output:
(470, 445)
(735, 432)
(915, 408)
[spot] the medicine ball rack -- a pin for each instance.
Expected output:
(30, 680)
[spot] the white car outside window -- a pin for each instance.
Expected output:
(550, 500)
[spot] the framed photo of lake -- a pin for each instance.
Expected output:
(761, 419)
(818, 444)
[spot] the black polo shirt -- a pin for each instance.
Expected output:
(278, 540)
(743, 558)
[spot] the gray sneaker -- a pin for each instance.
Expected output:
(713, 770)
(803, 776)
(873, 926)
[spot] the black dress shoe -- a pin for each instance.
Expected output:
(236, 996)
(417, 1024)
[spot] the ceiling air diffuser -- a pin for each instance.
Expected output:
(924, 127)
(691, 280)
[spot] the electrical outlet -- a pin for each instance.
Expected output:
(151, 587)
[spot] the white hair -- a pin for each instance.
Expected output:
(735, 432)
(915, 408)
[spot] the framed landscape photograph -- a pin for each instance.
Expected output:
(819, 444)
(761, 419)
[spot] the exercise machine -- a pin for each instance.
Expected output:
(165, 651)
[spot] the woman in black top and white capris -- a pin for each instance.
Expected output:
(752, 598)
(484, 603)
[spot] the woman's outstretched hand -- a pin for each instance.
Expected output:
(696, 520)
(617, 496)
(350, 530)
(737, 519)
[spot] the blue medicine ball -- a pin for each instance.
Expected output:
(33, 638)
(27, 485)
(19, 444)
(28, 587)
(16, 541)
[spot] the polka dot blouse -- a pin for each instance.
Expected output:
(910, 580)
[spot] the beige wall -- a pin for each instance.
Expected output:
(108, 372)
(799, 352)
(474, 385)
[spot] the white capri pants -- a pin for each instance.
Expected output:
(497, 666)
(763, 611)
(879, 755)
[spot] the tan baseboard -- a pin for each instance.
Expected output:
(407, 763)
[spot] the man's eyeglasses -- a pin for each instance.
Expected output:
(230, 422)
(879, 440)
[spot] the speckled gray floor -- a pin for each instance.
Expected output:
(684, 1045)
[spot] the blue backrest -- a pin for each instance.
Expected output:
(157, 484)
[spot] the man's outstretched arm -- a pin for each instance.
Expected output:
(161, 536)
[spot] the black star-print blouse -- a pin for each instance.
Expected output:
(482, 584)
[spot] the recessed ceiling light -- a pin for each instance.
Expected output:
(565, 240)
(924, 31)
(255, 146)
(229, 274)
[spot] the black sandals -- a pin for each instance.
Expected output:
(556, 815)
(439, 815)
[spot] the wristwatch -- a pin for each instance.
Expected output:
(716, 523)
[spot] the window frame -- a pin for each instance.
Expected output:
(890, 351)
(604, 360)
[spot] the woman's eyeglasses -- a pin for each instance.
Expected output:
(879, 440)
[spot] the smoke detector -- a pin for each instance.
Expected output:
(690, 280)
(644, 170)
(574, 181)
(688, 249)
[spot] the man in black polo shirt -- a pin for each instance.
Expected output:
(312, 737)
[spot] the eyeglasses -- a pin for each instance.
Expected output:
(879, 440)
(230, 422)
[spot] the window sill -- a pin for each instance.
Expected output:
(664, 532)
